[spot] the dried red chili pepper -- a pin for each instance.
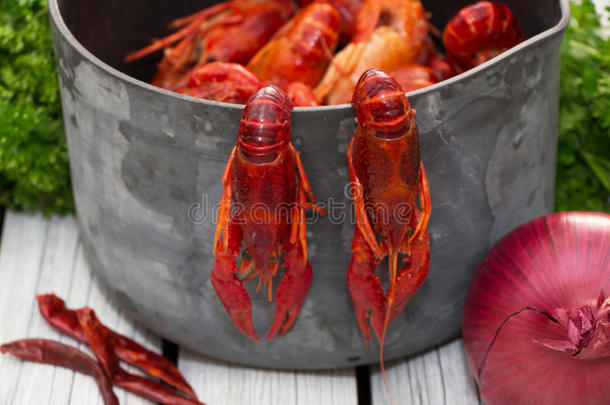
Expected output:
(100, 341)
(150, 389)
(54, 310)
(51, 352)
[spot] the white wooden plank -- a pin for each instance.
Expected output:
(42, 256)
(23, 243)
(54, 276)
(337, 387)
(221, 383)
(460, 387)
(416, 381)
(436, 377)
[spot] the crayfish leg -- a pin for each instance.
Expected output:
(224, 207)
(305, 192)
(298, 228)
(302, 176)
(191, 24)
(424, 204)
(365, 288)
(247, 266)
(201, 15)
(292, 290)
(341, 66)
(362, 221)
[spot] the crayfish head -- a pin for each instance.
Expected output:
(380, 105)
(264, 130)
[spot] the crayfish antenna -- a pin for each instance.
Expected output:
(386, 321)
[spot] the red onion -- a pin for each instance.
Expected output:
(537, 315)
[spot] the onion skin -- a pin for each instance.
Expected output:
(556, 264)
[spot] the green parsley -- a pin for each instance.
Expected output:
(34, 170)
(583, 158)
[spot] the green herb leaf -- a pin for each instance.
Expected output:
(583, 168)
(34, 171)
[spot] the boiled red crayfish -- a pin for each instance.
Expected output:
(294, 59)
(231, 31)
(348, 10)
(265, 184)
(413, 76)
(387, 176)
(387, 35)
(301, 50)
(232, 83)
(479, 32)
(222, 81)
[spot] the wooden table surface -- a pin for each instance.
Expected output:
(40, 255)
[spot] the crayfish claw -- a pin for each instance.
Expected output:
(369, 303)
(411, 276)
(283, 320)
(233, 295)
(365, 289)
(291, 291)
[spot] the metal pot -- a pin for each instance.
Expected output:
(146, 166)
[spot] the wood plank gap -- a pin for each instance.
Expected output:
(440, 366)
(170, 350)
(363, 385)
(77, 248)
(458, 383)
(296, 388)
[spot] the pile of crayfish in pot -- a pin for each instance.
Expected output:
(317, 50)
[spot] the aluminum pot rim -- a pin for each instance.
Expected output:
(58, 20)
